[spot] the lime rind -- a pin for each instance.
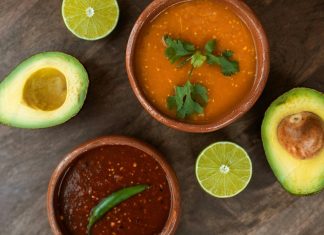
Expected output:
(240, 176)
(83, 6)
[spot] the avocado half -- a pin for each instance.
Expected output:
(293, 139)
(45, 90)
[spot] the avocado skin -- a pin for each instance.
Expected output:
(63, 117)
(294, 94)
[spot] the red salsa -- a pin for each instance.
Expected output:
(102, 171)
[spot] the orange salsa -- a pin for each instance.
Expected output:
(196, 21)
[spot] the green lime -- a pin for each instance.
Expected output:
(90, 19)
(223, 169)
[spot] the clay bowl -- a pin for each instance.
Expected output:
(64, 165)
(262, 69)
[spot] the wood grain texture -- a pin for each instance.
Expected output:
(296, 33)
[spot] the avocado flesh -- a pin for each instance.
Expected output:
(43, 91)
(297, 176)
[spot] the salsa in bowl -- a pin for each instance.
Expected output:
(197, 65)
(104, 173)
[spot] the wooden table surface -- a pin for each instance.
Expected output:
(296, 33)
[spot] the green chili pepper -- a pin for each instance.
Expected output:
(111, 201)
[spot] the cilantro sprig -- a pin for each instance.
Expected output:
(188, 99)
(191, 98)
(182, 52)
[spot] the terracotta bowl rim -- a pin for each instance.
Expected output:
(175, 209)
(258, 35)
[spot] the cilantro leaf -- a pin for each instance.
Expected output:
(172, 102)
(228, 67)
(210, 46)
(176, 49)
(201, 92)
(198, 59)
(186, 99)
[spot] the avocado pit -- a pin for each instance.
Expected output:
(301, 134)
(45, 89)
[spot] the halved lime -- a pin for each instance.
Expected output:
(223, 169)
(90, 19)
